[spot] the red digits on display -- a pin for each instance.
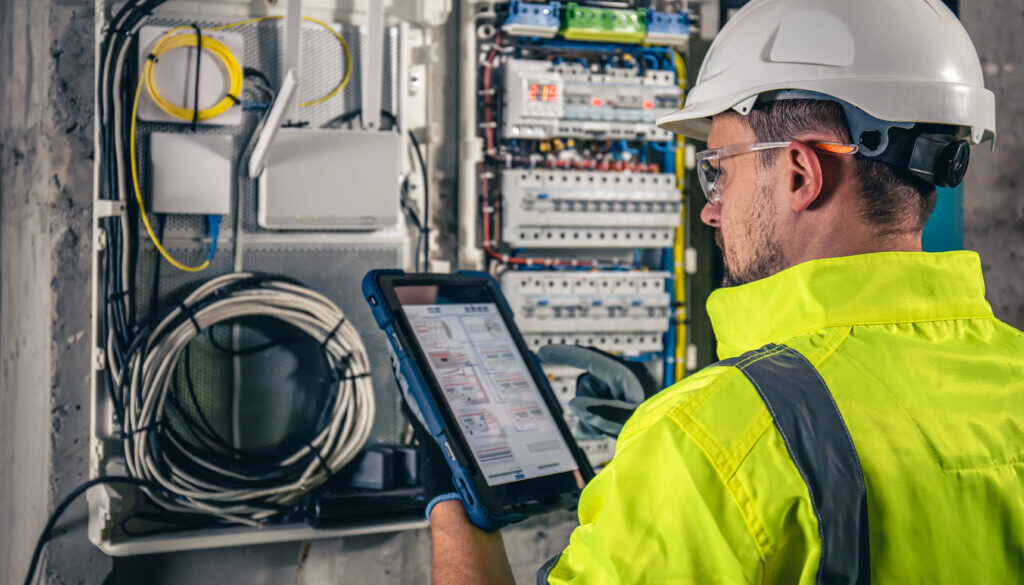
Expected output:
(534, 90)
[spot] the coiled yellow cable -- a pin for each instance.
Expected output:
(232, 67)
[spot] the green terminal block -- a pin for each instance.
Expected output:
(604, 24)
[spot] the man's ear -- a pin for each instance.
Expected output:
(803, 174)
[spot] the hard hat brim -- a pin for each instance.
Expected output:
(691, 122)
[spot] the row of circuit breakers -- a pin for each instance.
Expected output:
(581, 87)
(548, 100)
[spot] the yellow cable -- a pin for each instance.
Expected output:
(168, 42)
(341, 40)
(678, 246)
(138, 191)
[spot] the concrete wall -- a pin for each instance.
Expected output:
(46, 73)
(994, 192)
(46, 64)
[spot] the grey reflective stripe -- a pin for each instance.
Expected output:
(545, 570)
(820, 445)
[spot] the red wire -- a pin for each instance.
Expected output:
(485, 204)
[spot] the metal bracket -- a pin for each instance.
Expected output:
(107, 208)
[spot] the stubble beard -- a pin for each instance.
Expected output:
(768, 257)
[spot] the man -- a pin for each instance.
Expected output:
(867, 422)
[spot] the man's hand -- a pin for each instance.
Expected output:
(462, 553)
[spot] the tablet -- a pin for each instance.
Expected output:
(467, 374)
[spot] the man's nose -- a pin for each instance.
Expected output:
(711, 215)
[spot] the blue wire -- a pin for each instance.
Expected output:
(669, 339)
(213, 230)
(644, 357)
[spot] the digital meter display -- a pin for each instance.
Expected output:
(542, 92)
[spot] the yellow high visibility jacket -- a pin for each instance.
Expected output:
(720, 480)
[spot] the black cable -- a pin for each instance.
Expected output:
(426, 203)
(47, 532)
(253, 72)
(199, 59)
(154, 295)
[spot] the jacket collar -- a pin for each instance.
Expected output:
(886, 287)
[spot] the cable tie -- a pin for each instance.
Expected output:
(143, 429)
(152, 57)
(354, 377)
(191, 316)
(330, 336)
(233, 98)
(199, 59)
(339, 370)
(320, 458)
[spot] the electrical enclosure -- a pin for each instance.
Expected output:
(562, 188)
(345, 191)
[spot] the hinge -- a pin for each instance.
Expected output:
(101, 239)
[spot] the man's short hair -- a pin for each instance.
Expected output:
(895, 201)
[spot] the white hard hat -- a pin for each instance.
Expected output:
(903, 61)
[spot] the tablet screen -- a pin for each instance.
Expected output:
(489, 389)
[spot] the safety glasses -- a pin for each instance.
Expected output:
(709, 162)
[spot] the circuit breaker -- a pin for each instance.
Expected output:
(573, 100)
(588, 209)
(619, 311)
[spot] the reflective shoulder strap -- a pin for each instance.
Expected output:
(820, 445)
(546, 568)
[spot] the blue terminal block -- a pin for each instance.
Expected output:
(533, 20)
(665, 28)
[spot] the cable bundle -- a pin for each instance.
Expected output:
(210, 480)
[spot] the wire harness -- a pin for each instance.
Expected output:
(208, 479)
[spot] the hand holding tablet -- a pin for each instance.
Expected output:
(464, 368)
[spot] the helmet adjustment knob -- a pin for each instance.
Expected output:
(951, 164)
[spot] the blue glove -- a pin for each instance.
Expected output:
(608, 391)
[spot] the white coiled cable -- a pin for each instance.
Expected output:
(149, 374)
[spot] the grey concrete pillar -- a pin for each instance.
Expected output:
(46, 151)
